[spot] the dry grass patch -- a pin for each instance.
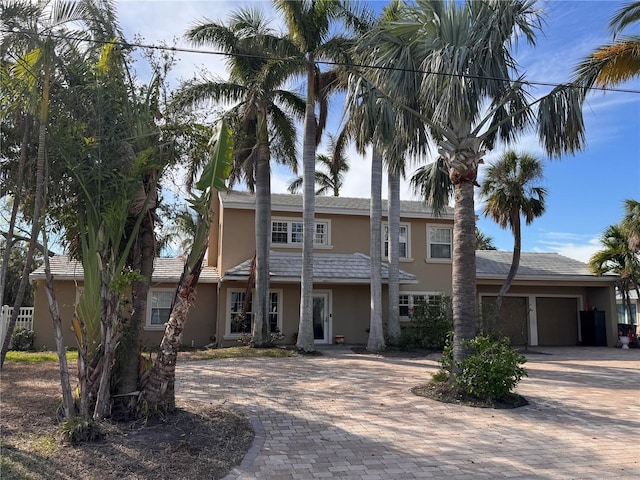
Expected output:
(199, 441)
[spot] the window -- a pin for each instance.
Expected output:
(237, 325)
(439, 243)
(159, 307)
(404, 241)
(279, 232)
(409, 301)
(623, 314)
(288, 232)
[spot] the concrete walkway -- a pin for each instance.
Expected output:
(348, 416)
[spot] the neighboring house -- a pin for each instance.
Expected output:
(341, 275)
(623, 313)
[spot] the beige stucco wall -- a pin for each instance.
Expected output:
(200, 325)
(349, 234)
(42, 323)
(348, 308)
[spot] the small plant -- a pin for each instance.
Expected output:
(77, 430)
(22, 339)
(277, 335)
(491, 372)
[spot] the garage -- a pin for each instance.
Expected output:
(557, 321)
(512, 321)
(549, 290)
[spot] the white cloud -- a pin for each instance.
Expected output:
(578, 247)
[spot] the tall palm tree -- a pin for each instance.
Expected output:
(616, 257)
(36, 65)
(261, 117)
(612, 64)
(309, 23)
(631, 223)
(335, 165)
(510, 193)
(470, 96)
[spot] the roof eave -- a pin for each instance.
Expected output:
(337, 211)
(547, 278)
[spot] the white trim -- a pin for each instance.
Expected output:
(147, 320)
(227, 314)
(429, 227)
(407, 257)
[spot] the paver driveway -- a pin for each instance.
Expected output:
(343, 415)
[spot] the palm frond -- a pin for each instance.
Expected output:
(625, 16)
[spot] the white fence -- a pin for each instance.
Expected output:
(25, 319)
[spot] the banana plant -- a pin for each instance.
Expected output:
(158, 394)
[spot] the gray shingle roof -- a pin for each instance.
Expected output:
(328, 204)
(164, 270)
(333, 267)
(496, 264)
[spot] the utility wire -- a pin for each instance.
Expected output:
(322, 62)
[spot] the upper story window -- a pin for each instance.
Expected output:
(404, 247)
(439, 242)
(159, 307)
(289, 232)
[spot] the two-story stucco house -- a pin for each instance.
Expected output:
(341, 276)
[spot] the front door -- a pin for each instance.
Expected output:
(321, 317)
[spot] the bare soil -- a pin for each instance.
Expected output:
(199, 440)
(444, 392)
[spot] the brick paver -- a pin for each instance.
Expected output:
(348, 416)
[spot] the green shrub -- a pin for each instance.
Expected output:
(22, 339)
(429, 326)
(491, 372)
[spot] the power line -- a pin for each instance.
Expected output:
(124, 44)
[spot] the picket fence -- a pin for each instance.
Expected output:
(25, 319)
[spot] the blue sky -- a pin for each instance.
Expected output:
(585, 191)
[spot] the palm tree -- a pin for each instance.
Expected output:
(612, 64)
(631, 223)
(483, 241)
(37, 64)
(616, 257)
(336, 166)
(260, 116)
(471, 96)
(510, 194)
(309, 23)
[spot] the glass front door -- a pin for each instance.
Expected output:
(321, 317)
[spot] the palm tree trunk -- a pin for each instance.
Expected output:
(305, 327)
(14, 210)
(463, 270)
(128, 355)
(261, 330)
(158, 394)
(376, 334)
(68, 406)
(393, 329)
(515, 262)
(37, 208)
(109, 336)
